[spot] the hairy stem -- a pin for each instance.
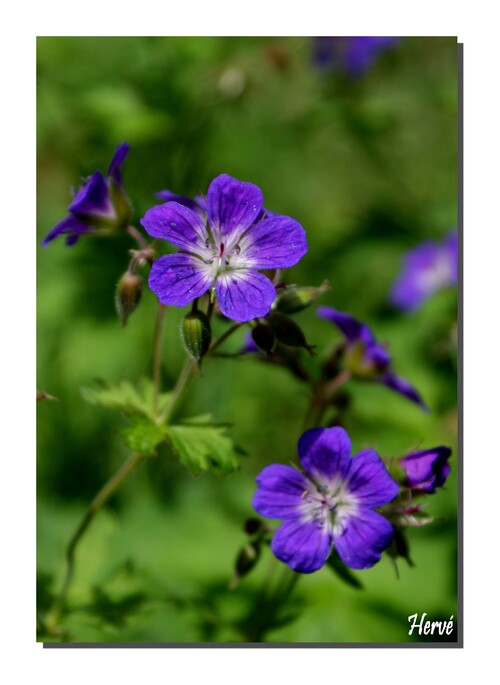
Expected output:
(138, 237)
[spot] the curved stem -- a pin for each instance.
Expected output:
(223, 337)
(320, 399)
(181, 386)
(138, 237)
(99, 500)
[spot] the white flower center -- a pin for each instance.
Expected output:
(328, 504)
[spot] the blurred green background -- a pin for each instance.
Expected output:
(368, 165)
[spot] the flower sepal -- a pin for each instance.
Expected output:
(294, 299)
(196, 334)
(121, 205)
(288, 332)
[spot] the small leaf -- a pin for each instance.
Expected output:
(126, 397)
(342, 571)
(201, 445)
(142, 435)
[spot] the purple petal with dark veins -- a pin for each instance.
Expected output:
(177, 279)
(244, 295)
(325, 453)
(369, 481)
(276, 242)
(193, 205)
(178, 225)
(305, 547)
(350, 327)
(279, 493)
(232, 206)
(363, 538)
(114, 169)
(92, 199)
(402, 386)
(70, 226)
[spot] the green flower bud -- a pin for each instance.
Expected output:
(294, 299)
(247, 558)
(263, 337)
(288, 332)
(196, 334)
(128, 295)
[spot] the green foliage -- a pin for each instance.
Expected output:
(128, 398)
(344, 572)
(348, 157)
(202, 445)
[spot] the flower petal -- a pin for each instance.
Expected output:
(402, 386)
(369, 481)
(350, 327)
(303, 546)
(232, 205)
(193, 205)
(362, 539)
(179, 278)
(279, 493)
(92, 200)
(325, 453)
(428, 469)
(114, 169)
(277, 242)
(179, 225)
(244, 295)
(71, 226)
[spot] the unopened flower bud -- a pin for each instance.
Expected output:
(263, 337)
(247, 557)
(128, 295)
(196, 334)
(288, 332)
(294, 299)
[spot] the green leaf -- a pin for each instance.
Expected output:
(142, 435)
(201, 445)
(132, 400)
(342, 571)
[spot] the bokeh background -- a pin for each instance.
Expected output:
(367, 164)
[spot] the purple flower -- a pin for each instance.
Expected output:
(428, 268)
(333, 502)
(428, 469)
(224, 251)
(99, 204)
(364, 357)
(353, 55)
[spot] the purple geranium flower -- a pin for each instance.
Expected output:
(99, 204)
(364, 357)
(353, 55)
(428, 268)
(333, 502)
(224, 249)
(428, 469)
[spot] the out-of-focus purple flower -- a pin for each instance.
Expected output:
(428, 469)
(333, 502)
(364, 357)
(353, 55)
(100, 204)
(225, 251)
(428, 268)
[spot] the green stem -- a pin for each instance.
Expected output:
(321, 397)
(157, 356)
(97, 503)
(181, 386)
(223, 337)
